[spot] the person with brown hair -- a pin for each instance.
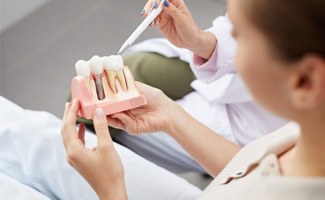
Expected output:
(281, 58)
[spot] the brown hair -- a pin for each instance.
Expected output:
(293, 27)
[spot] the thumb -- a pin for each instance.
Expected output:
(101, 127)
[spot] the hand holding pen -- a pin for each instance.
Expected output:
(141, 28)
(176, 23)
(173, 20)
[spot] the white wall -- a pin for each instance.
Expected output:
(11, 11)
(14, 10)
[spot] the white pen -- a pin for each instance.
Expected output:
(145, 23)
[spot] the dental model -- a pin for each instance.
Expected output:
(82, 69)
(114, 69)
(112, 89)
(96, 67)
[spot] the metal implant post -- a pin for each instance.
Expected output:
(99, 86)
(96, 67)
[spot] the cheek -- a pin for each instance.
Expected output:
(254, 71)
(262, 75)
(264, 83)
(245, 65)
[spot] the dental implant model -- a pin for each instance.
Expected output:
(112, 89)
(96, 68)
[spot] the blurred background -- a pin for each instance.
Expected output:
(42, 39)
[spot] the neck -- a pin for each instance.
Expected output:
(307, 157)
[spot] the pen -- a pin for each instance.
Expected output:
(145, 23)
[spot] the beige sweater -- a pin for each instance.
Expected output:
(239, 181)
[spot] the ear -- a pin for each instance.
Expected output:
(308, 82)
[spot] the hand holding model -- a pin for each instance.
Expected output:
(177, 25)
(155, 116)
(97, 165)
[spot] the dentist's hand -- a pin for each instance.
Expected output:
(177, 25)
(100, 166)
(157, 115)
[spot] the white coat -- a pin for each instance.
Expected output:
(220, 100)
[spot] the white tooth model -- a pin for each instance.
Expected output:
(113, 90)
(114, 69)
(96, 67)
(82, 68)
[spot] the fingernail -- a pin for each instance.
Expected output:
(166, 3)
(154, 5)
(142, 12)
(67, 104)
(100, 113)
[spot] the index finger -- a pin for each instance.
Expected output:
(67, 106)
(150, 5)
(73, 112)
(69, 132)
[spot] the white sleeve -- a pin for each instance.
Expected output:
(228, 89)
(222, 59)
(218, 80)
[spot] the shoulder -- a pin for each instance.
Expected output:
(250, 155)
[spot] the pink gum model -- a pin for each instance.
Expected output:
(113, 102)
